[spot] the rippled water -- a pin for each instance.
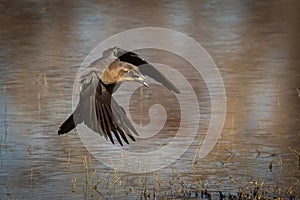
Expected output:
(255, 44)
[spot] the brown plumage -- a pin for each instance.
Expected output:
(97, 108)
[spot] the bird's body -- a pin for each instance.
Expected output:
(96, 107)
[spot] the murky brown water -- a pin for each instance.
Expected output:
(254, 43)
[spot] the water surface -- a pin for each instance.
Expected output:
(255, 44)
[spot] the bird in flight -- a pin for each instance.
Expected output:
(97, 108)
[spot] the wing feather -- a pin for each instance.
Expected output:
(101, 112)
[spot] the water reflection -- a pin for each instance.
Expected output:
(254, 43)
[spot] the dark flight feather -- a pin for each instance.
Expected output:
(100, 112)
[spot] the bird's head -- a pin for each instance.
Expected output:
(118, 72)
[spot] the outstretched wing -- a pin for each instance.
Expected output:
(100, 112)
(145, 68)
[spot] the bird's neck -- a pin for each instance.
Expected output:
(110, 87)
(108, 78)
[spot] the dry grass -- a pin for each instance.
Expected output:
(151, 186)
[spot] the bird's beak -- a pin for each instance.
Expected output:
(141, 79)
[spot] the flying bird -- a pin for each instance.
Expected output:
(97, 108)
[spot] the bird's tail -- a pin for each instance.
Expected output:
(67, 126)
